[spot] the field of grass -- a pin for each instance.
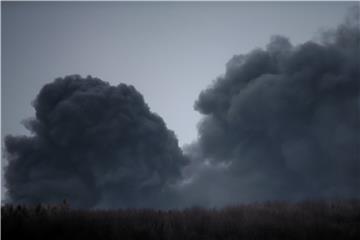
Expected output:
(273, 220)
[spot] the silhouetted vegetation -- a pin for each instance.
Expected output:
(273, 220)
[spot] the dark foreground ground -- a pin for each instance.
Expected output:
(306, 220)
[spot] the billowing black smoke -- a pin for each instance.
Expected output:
(94, 145)
(282, 123)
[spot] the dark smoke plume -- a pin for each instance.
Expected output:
(282, 123)
(94, 145)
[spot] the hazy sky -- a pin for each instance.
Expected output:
(168, 51)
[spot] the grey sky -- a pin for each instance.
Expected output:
(168, 51)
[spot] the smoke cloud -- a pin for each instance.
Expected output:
(282, 123)
(94, 145)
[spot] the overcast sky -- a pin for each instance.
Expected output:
(168, 51)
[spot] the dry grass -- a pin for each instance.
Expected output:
(273, 220)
